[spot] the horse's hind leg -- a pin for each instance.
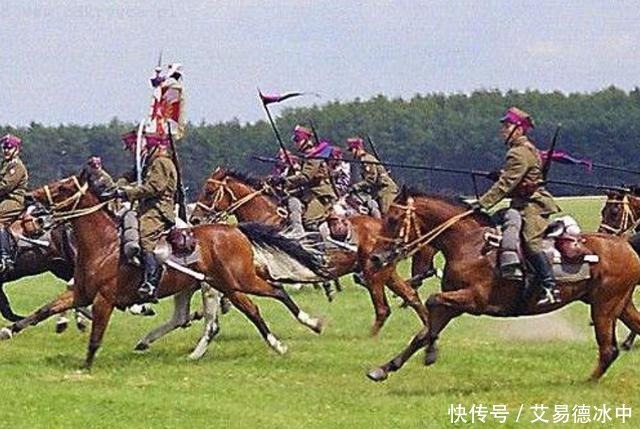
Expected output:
(211, 309)
(102, 309)
(181, 306)
(631, 318)
(245, 305)
(63, 302)
(258, 286)
(604, 325)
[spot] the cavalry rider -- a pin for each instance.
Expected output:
(13, 187)
(377, 185)
(531, 203)
(317, 193)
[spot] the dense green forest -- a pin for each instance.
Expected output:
(458, 130)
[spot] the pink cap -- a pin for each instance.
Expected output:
(355, 143)
(513, 115)
(129, 139)
(301, 133)
(154, 140)
(10, 141)
(337, 152)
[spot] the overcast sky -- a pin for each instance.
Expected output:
(79, 61)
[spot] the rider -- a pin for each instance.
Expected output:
(340, 171)
(377, 185)
(286, 164)
(531, 204)
(317, 193)
(13, 187)
(156, 197)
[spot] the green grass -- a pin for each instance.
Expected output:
(320, 383)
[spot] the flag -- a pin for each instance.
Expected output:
(276, 98)
(563, 157)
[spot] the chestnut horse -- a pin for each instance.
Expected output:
(471, 283)
(103, 279)
(229, 192)
(621, 216)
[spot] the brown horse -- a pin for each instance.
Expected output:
(228, 192)
(621, 216)
(104, 280)
(471, 283)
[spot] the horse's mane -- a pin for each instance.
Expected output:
(445, 197)
(248, 178)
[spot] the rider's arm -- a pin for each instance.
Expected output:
(514, 171)
(155, 181)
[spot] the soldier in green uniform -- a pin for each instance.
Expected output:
(156, 199)
(376, 181)
(313, 179)
(531, 204)
(13, 187)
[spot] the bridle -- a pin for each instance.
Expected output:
(628, 222)
(223, 189)
(68, 208)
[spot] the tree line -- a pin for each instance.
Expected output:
(446, 130)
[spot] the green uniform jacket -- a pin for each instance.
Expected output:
(377, 181)
(13, 185)
(523, 168)
(315, 175)
(156, 194)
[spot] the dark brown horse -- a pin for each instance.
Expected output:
(104, 280)
(471, 282)
(228, 192)
(621, 216)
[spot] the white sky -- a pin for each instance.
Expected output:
(74, 61)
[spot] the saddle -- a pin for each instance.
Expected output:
(565, 248)
(179, 245)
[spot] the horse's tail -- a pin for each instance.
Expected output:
(287, 259)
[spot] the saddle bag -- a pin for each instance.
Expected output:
(182, 241)
(130, 234)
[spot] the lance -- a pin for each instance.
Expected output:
(275, 130)
(373, 149)
(552, 146)
(180, 195)
(614, 168)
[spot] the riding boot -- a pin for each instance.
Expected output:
(544, 272)
(6, 259)
(152, 274)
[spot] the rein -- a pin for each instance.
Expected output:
(57, 209)
(628, 222)
(409, 248)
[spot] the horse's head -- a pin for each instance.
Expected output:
(215, 197)
(64, 195)
(621, 212)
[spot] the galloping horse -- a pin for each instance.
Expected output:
(104, 280)
(621, 216)
(228, 192)
(471, 283)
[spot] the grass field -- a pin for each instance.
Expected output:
(320, 383)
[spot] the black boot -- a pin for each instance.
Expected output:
(544, 272)
(152, 274)
(6, 259)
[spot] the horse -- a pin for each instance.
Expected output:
(103, 279)
(472, 284)
(621, 216)
(228, 192)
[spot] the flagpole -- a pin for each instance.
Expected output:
(275, 130)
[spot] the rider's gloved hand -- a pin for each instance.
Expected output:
(115, 193)
(473, 205)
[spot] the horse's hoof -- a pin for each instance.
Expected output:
(431, 356)
(141, 346)
(61, 326)
(627, 346)
(377, 375)
(317, 326)
(6, 334)
(276, 345)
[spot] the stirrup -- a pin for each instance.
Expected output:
(6, 264)
(551, 297)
